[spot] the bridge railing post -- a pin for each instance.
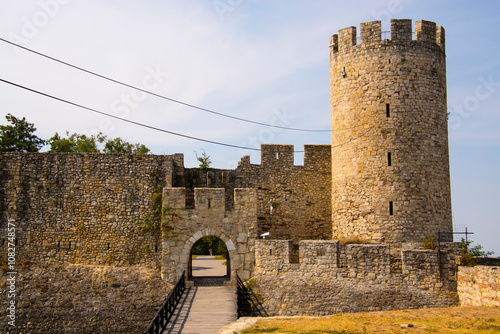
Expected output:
(162, 317)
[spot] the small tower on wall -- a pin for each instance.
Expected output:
(390, 163)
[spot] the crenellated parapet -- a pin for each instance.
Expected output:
(273, 155)
(279, 156)
(330, 277)
(426, 34)
(293, 200)
(330, 258)
(210, 201)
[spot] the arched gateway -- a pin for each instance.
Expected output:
(195, 265)
(237, 228)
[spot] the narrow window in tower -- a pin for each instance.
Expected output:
(388, 110)
(277, 155)
(209, 204)
(109, 245)
(270, 252)
(391, 208)
(389, 159)
(156, 248)
(389, 61)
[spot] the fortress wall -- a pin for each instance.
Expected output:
(55, 297)
(319, 284)
(479, 286)
(82, 208)
(214, 178)
(300, 196)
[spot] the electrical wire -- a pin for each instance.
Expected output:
(158, 95)
(126, 120)
(156, 128)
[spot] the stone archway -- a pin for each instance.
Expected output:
(236, 228)
(187, 251)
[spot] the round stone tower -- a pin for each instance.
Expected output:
(390, 164)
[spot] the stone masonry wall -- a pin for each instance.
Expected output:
(300, 196)
(479, 286)
(331, 278)
(209, 217)
(65, 298)
(390, 163)
(82, 208)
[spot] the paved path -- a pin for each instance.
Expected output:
(205, 265)
(204, 309)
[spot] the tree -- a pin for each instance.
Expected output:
(118, 145)
(204, 160)
(76, 143)
(58, 144)
(205, 244)
(468, 253)
(19, 137)
(474, 251)
(90, 144)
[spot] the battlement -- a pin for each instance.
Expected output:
(279, 156)
(426, 32)
(329, 257)
(273, 154)
(330, 277)
(210, 200)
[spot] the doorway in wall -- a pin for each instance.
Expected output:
(209, 263)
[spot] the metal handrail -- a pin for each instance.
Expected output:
(247, 301)
(162, 317)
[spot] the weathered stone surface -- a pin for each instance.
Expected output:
(331, 277)
(185, 226)
(75, 298)
(390, 163)
(479, 286)
(300, 196)
(82, 208)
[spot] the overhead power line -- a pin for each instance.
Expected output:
(156, 128)
(126, 120)
(158, 95)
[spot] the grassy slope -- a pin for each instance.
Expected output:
(445, 320)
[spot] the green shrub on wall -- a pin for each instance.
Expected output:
(153, 219)
(159, 218)
(468, 253)
(429, 243)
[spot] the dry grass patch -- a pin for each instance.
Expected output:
(445, 320)
(353, 240)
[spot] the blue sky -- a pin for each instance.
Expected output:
(267, 61)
